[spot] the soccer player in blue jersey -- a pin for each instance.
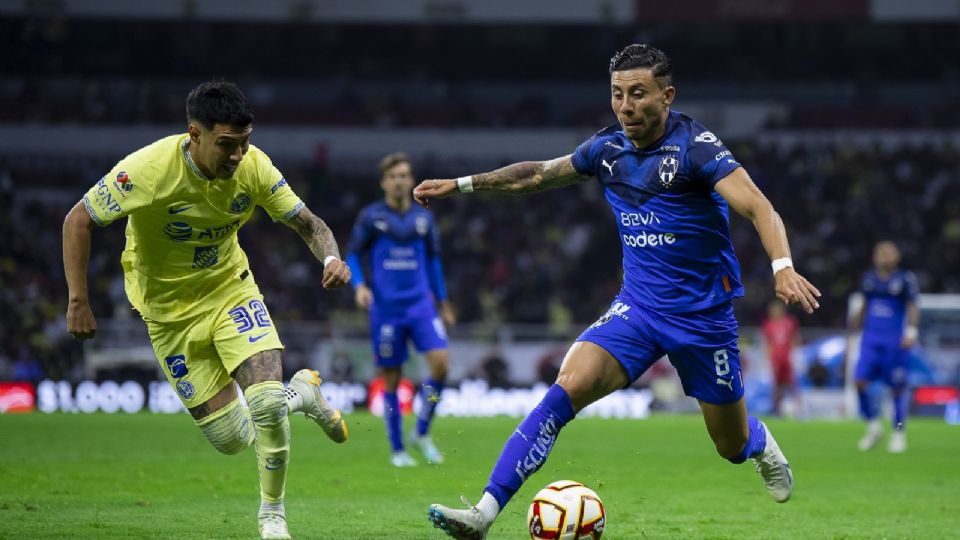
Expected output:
(669, 182)
(406, 280)
(889, 301)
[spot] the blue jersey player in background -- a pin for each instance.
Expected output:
(669, 183)
(889, 316)
(400, 241)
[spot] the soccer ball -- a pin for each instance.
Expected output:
(566, 510)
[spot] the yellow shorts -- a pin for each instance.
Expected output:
(199, 353)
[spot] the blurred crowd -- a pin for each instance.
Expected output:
(66, 70)
(551, 259)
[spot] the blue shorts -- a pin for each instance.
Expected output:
(389, 333)
(882, 360)
(701, 345)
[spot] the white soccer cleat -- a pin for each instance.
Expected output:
(306, 382)
(464, 524)
(773, 467)
(273, 526)
(898, 442)
(872, 436)
(426, 447)
(402, 459)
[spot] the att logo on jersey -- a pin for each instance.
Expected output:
(178, 231)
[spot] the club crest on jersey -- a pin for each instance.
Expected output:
(896, 286)
(185, 389)
(123, 182)
(423, 225)
(240, 203)
(667, 170)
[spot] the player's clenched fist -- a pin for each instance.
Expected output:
(434, 189)
(80, 320)
(336, 274)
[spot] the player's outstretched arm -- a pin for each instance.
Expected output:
(516, 179)
(743, 196)
(76, 256)
(320, 239)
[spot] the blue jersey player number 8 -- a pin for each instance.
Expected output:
(669, 182)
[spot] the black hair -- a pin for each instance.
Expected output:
(218, 102)
(643, 55)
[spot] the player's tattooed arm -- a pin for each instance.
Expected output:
(315, 233)
(516, 179)
(529, 176)
(262, 366)
(320, 239)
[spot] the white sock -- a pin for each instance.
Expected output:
(267, 508)
(488, 507)
(294, 399)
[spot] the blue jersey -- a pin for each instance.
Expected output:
(677, 254)
(404, 256)
(887, 301)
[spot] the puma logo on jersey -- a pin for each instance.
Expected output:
(728, 384)
(609, 166)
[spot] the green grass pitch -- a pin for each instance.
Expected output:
(153, 476)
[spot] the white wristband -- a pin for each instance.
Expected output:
(465, 184)
(910, 332)
(780, 264)
(330, 258)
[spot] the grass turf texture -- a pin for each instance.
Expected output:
(154, 476)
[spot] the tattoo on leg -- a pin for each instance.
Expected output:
(200, 411)
(262, 366)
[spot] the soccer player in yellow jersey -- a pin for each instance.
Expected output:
(185, 197)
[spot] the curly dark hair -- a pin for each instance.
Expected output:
(218, 102)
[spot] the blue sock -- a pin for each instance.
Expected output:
(429, 399)
(756, 442)
(527, 449)
(899, 408)
(866, 404)
(391, 415)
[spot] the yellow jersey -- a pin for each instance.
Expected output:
(182, 253)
